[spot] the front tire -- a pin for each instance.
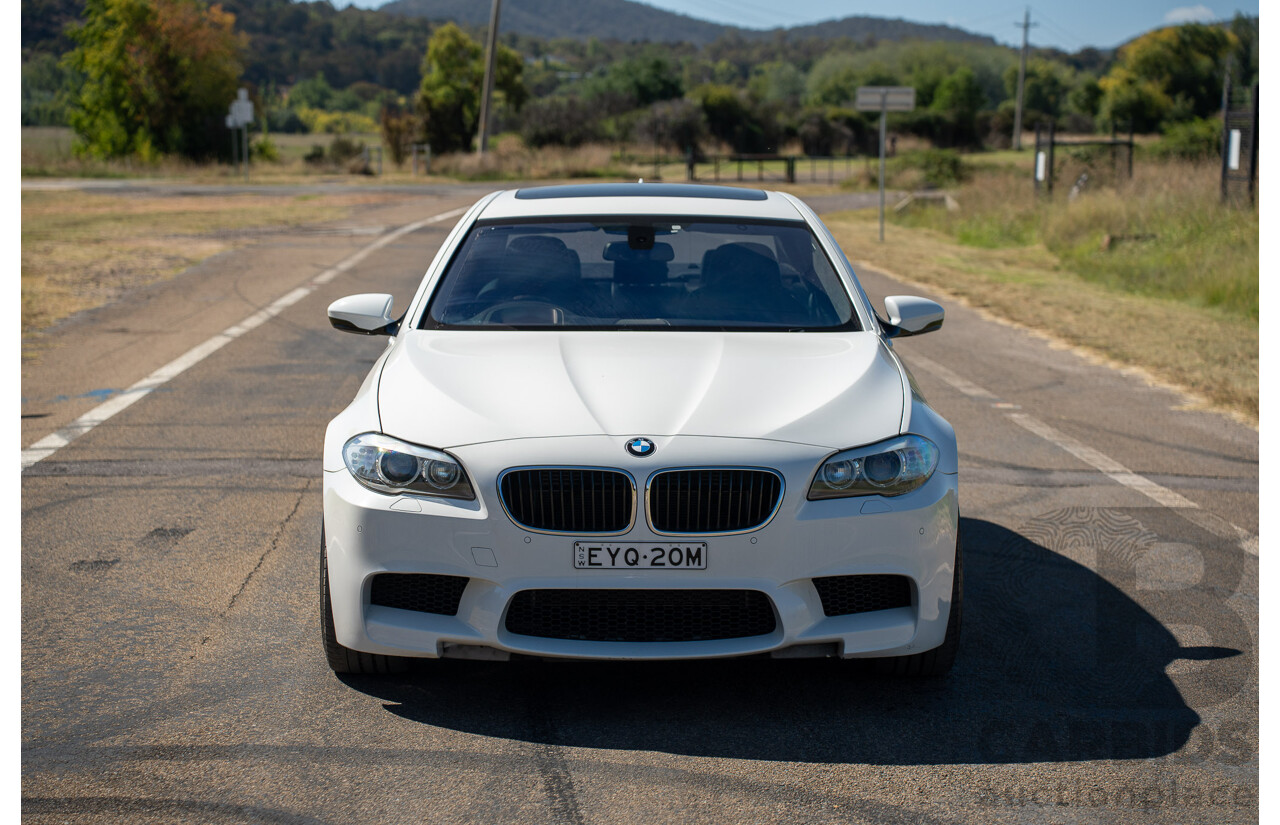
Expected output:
(344, 659)
(936, 662)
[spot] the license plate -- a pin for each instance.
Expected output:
(607, 556)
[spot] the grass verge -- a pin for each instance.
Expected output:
(81, 250)
(1208, 350)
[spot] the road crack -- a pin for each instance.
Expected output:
(275, 541)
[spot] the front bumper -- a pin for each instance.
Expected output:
(368, 533)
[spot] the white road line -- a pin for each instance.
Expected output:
(1102, 462)
(964, 385)
(53, 442)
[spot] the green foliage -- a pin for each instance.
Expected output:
(265, 149)
(777, 82)
(342, 149)
(318, 121)
(1085, 97)
(1244, 56)
(676, 124)
(1174, 72)
(46, 85)
(825, 132)
(642, 80)
(158, 76)
(733, 117)
(452, 76)
(559, 121)
(941, 167)
(1191, 140)
(398, 130)
(958, 99)
(1045, 87)
(312, 93)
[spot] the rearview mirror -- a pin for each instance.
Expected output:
(367, 314)
(909, 315)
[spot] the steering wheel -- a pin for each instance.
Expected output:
(556, 311)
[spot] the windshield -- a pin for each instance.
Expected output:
(665, 273)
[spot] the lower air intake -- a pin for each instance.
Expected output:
(641, 615)
(845, 595)
(423, 592)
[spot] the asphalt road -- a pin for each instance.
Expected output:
(172, 672)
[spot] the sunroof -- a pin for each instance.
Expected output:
(641, 190)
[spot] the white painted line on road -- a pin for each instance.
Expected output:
(964, 385)
(53, 442)
(1102, 462)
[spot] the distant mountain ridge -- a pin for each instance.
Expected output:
(628, 21)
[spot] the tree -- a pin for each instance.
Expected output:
(1174, 73)
(679, 124)
(735, 119)
(959, 97)
(312, 93)
(559, 120)
(1044, 88)
(777, 82)
(158, 77)
(452, 76)
(1244, 58)
(643, 80)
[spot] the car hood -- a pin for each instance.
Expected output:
(450, 388)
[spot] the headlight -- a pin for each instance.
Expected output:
(889, 468)
(390, 465)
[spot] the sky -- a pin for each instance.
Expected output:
(1066, 24)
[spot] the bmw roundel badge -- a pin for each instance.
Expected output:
(641, 447)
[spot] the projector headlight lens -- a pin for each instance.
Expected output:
(889, 468)
(389, 465)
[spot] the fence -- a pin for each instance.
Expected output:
(748, 168)
(1046, 168)
(1239, 142)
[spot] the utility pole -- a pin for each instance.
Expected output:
(488, 77)
(1026, 25)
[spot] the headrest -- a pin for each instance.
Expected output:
(621, 251)
(537, 245)
(742, 264)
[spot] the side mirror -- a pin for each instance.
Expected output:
(909, 315)
(367, 314)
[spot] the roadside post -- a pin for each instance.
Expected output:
(884, 99)
(239, 116)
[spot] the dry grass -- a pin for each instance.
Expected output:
(84, 250)
(1170, 237)
(509, 159)
(1210, 352)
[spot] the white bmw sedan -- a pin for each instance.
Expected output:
(639, 421)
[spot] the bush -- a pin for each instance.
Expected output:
(315, 156)
(821, 135)
(1193, 140)
(285, 121)
(558, 121)
(940, 167)
(319, 121)
(677, 124)
(264, 148)
(343, 149)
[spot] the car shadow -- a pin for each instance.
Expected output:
(1055, 664)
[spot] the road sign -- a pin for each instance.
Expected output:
(886, 98)
(241, 110)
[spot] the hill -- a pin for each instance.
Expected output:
(630, 21)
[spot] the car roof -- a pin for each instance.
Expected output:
(633, 199)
